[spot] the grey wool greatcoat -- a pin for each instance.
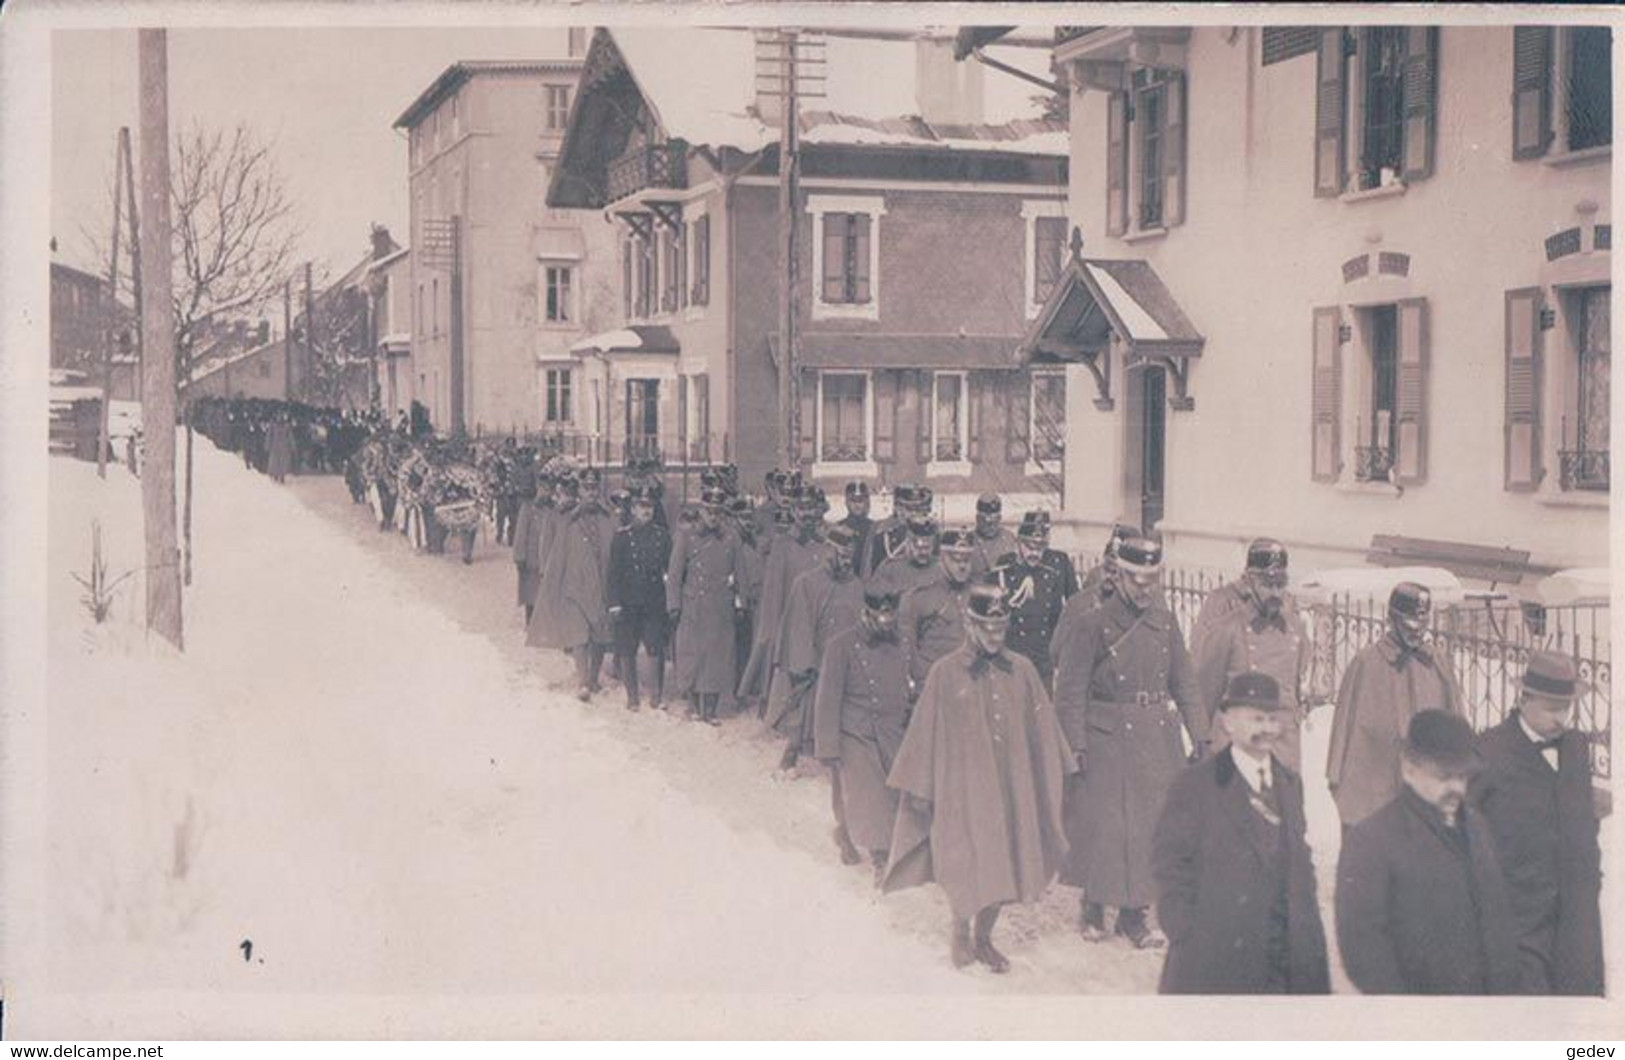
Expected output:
(1222, 873)
(1383, 687)
(1421, 908)
(818, 608)
(788, 557)
(701, 583)
(860, 712)
(572, 608)
(527, 548)
(1119, 672)
(1544, 821)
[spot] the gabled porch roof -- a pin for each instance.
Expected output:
(1097, 298)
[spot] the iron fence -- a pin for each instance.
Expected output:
(1486, 644)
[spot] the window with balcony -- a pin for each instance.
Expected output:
(1388, 385)
(1585, 434)
(558, 107)
(1562, 90)
(1374, 453)
(1382, 134)
(843, 418)
(556, 293)
(559, 410)
(949, 419)
(1375, 106)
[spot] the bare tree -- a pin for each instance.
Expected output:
(340, 342)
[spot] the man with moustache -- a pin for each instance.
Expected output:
(1234, 877)
(1038, 580)
(1536, 794)
(706, 563)
(1422, 905)
(993, 540)
(1098, 585)
(860, 712)
(1386, 685)
(980, 774)
(916, 564)
(638, 558)
(857, 517)
(931, 622)
(1255, 626)
(889, 539)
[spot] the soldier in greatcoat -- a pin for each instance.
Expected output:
(1261, 630)
(790, 556)
(822, 602)
(572, 612)
(857, 518)
(1039, 580)
(980, 772)
(1235, 880)
(638, 559)
(889, 538)
(1385, 685)
(701, 582)
(931, 621)
(1095, 588)
(917, 564)
(1126, 660)
(860, 711)
(526, 541)
(1536, 794)
(994, 540)
(742, 517)
(1422, 906)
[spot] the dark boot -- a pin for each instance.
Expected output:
(792, 755)
(1093, 922)
(960, 949)
(585, 689)
(629, 677)
(708, 708)
(996, 962)
(850, 855)
(659, 700)
(595, 664)
(1133, 925)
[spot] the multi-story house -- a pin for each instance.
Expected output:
(84, 319)
(1339, 282)
(931, 222)
(501, 283)
(389, 284)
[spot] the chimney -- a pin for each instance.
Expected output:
(382, 245)
(945, 91)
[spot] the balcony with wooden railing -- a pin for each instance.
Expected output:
(652, 166)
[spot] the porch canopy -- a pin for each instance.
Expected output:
(635, 338)
(1097, 302)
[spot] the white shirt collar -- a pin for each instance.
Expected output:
(1255, 771)
(1534, 737)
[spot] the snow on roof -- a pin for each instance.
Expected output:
(1138, 321)
(1578, 585)
(701, 84)
(1376, 583)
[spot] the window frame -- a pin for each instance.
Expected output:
(1032, 211)
(558, 118)
(558, 395)
(874, 206)
(960, 465)
(1562, 120)
(862, 467)
(566, 318)
(1567, 436)
(698, 276)
(1037, 464)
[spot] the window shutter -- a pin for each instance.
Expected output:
(861, 223)
(1420, 100)
(834, 278)
(886, 383)
(975, 383)
(684, 452)
(1523, 389)
(1410, 463)
(1017, 444)
(928, 412)
(1330, 82)
(681, 237)
(1049, 253)
(1173, 168)
(702, 260)
(1117, 164)
(1327, 398)
(626, 280)
(1531, 90)
(809, 412)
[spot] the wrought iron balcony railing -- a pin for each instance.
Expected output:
(653, 166)
(1373, 463)
(1584, 469)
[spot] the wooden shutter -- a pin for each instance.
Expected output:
(975, 383)
(886, 384)
(861, 231)
(1331, 78)
(702, 260)
(1117, 163)
(1017, 443)
(1327, 397)
(685, 448)
(681, 236)
(1531, 90)
(928, 412)
(1420, 91)
(626, 279)
(1173, 151)
(834, 278)
(1049, 255)
(809, 414)
(1410, 463)
(1524, 371)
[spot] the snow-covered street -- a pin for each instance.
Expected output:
(358, 768)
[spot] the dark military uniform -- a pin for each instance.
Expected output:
(638, 557)
(862, 526)
(1038, 592)
(931, 623)
(888, 540)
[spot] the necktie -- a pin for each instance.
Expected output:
(1549, 745)
(984, 660)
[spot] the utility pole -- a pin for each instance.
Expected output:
(310, 323)
(158, 334)
(135, 256)
(110, 321)
(287, 340)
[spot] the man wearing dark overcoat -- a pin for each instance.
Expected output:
(1422, 905)
(638, 558)
(994, 541)
(526, 551)
(889, 538)
(1039, 580)
(857, 519)
(790, 556)
(700, 595)
(1098, 585)
(931, 621)
(916, 564)
(1235, 881)
(1535, 793)
(822, 602)
(1385, 685)
(1126, 661)
(1262, 630)
(572, 612)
